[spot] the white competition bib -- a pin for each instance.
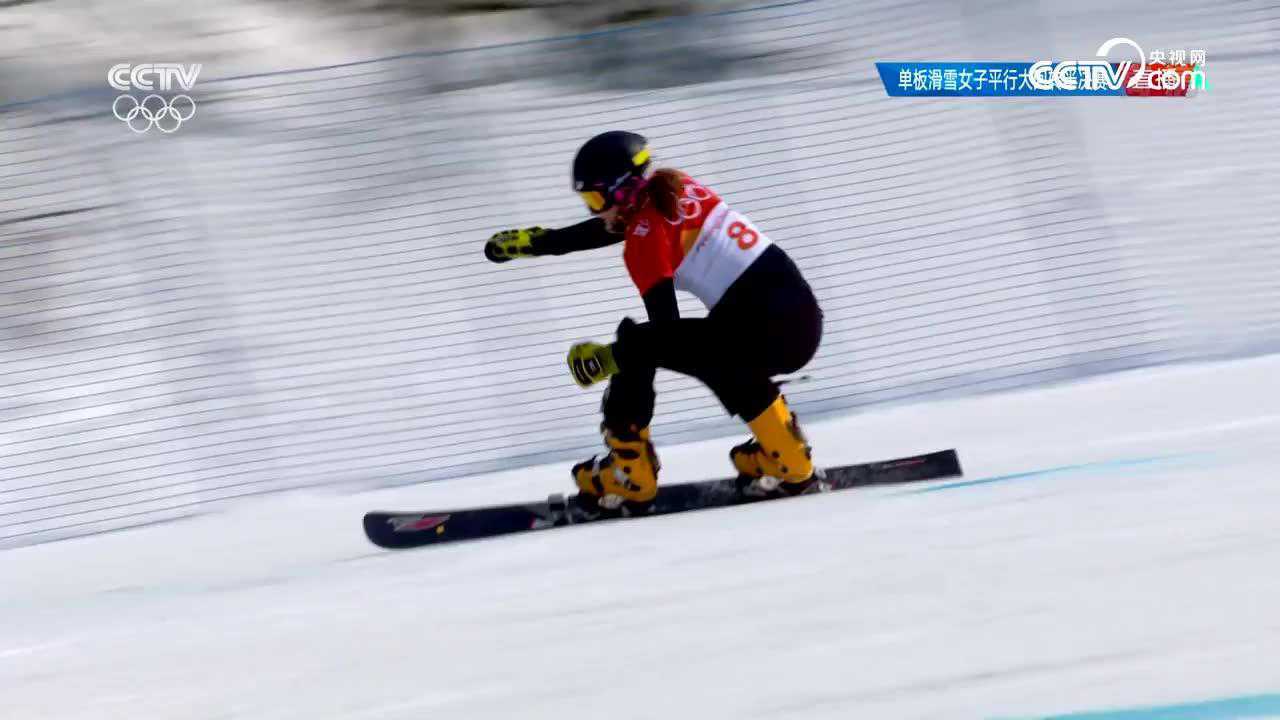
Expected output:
(726, 246)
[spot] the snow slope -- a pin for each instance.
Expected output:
(1113, 550)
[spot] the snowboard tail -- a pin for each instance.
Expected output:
(398, 530)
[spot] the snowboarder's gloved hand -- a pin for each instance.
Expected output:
(510, 244)
(589, 363)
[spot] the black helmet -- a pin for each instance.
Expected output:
(608, 166)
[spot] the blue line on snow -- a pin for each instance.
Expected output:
(1062, 470)
(1234, 708)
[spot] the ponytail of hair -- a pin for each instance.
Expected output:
(665, 188)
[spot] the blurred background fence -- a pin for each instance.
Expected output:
(289, 291)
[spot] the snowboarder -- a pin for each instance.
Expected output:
(763, 320)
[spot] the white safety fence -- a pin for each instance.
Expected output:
(289, 291)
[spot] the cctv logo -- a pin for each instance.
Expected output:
(153, 110)
(124, 77)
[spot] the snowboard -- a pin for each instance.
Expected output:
(398, 530)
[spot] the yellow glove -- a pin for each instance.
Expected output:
(509, 244)
(589, 363)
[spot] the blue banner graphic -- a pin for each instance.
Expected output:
(976, 79)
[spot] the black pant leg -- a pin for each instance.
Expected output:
(628, 402)
(703, 348)
(773, 306)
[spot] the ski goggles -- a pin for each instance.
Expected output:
(598, 201)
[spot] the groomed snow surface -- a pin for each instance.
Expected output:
(1113, 552)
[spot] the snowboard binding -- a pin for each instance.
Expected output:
(767, 487)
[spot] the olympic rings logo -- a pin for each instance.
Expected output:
(153, 112)
(689, 207)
